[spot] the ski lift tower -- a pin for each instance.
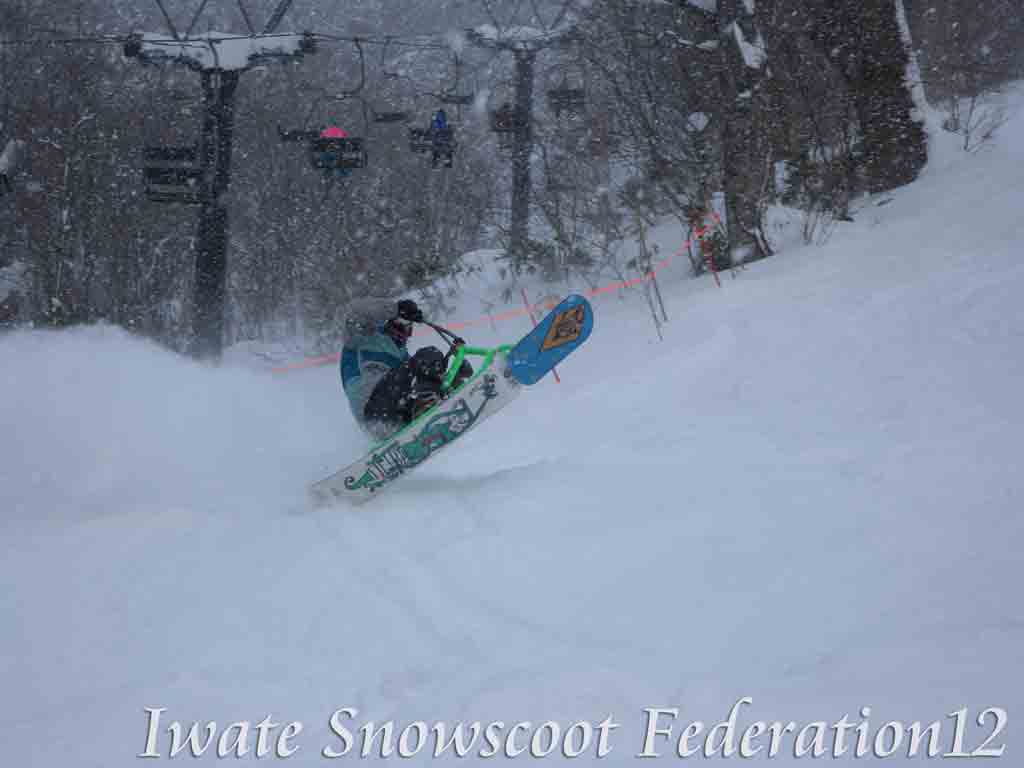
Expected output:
(201, 174)
(525, 47)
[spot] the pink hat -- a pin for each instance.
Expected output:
(333, 133)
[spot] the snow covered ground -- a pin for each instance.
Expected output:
(809, 494)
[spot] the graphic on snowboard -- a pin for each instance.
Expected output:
(440, 429)
(565, 328)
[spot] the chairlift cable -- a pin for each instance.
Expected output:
(167, 18)
(195, 18)
(102, 40)
(121, 39)
(277, 16)
(246, 17)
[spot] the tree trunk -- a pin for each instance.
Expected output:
(743, 141)
(864, 40)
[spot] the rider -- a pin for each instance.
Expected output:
(386, 387)
(440, 122)
(329, 158)
(443, 137)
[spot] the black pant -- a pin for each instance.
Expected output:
(393, 399)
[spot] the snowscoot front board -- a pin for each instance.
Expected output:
(562, 330)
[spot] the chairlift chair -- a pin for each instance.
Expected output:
(443, 146)
(337, 154)
(173, 175)
(439, 141)
(331, 149)
(329, 153)
(387, 118)
(456, 99)
(420, 140)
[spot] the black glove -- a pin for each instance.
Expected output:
(465, 371)
(407, 310)
(428, 363)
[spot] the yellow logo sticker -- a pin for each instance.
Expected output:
(566, 328)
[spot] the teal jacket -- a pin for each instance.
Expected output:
(368, 353)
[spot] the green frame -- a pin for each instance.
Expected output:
(461, 353)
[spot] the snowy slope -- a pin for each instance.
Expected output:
(809, 494)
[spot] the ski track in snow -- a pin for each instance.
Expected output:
(809, 493)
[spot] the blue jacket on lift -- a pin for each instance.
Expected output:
(440, 123)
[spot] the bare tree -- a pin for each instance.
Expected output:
(969, 51)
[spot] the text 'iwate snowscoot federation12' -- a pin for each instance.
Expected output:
(412, 419)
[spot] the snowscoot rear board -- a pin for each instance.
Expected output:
(490, 389)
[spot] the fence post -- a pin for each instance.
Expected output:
(533, 318)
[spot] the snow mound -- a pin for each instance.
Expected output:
(808, 494)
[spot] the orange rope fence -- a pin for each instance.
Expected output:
(698, 234)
